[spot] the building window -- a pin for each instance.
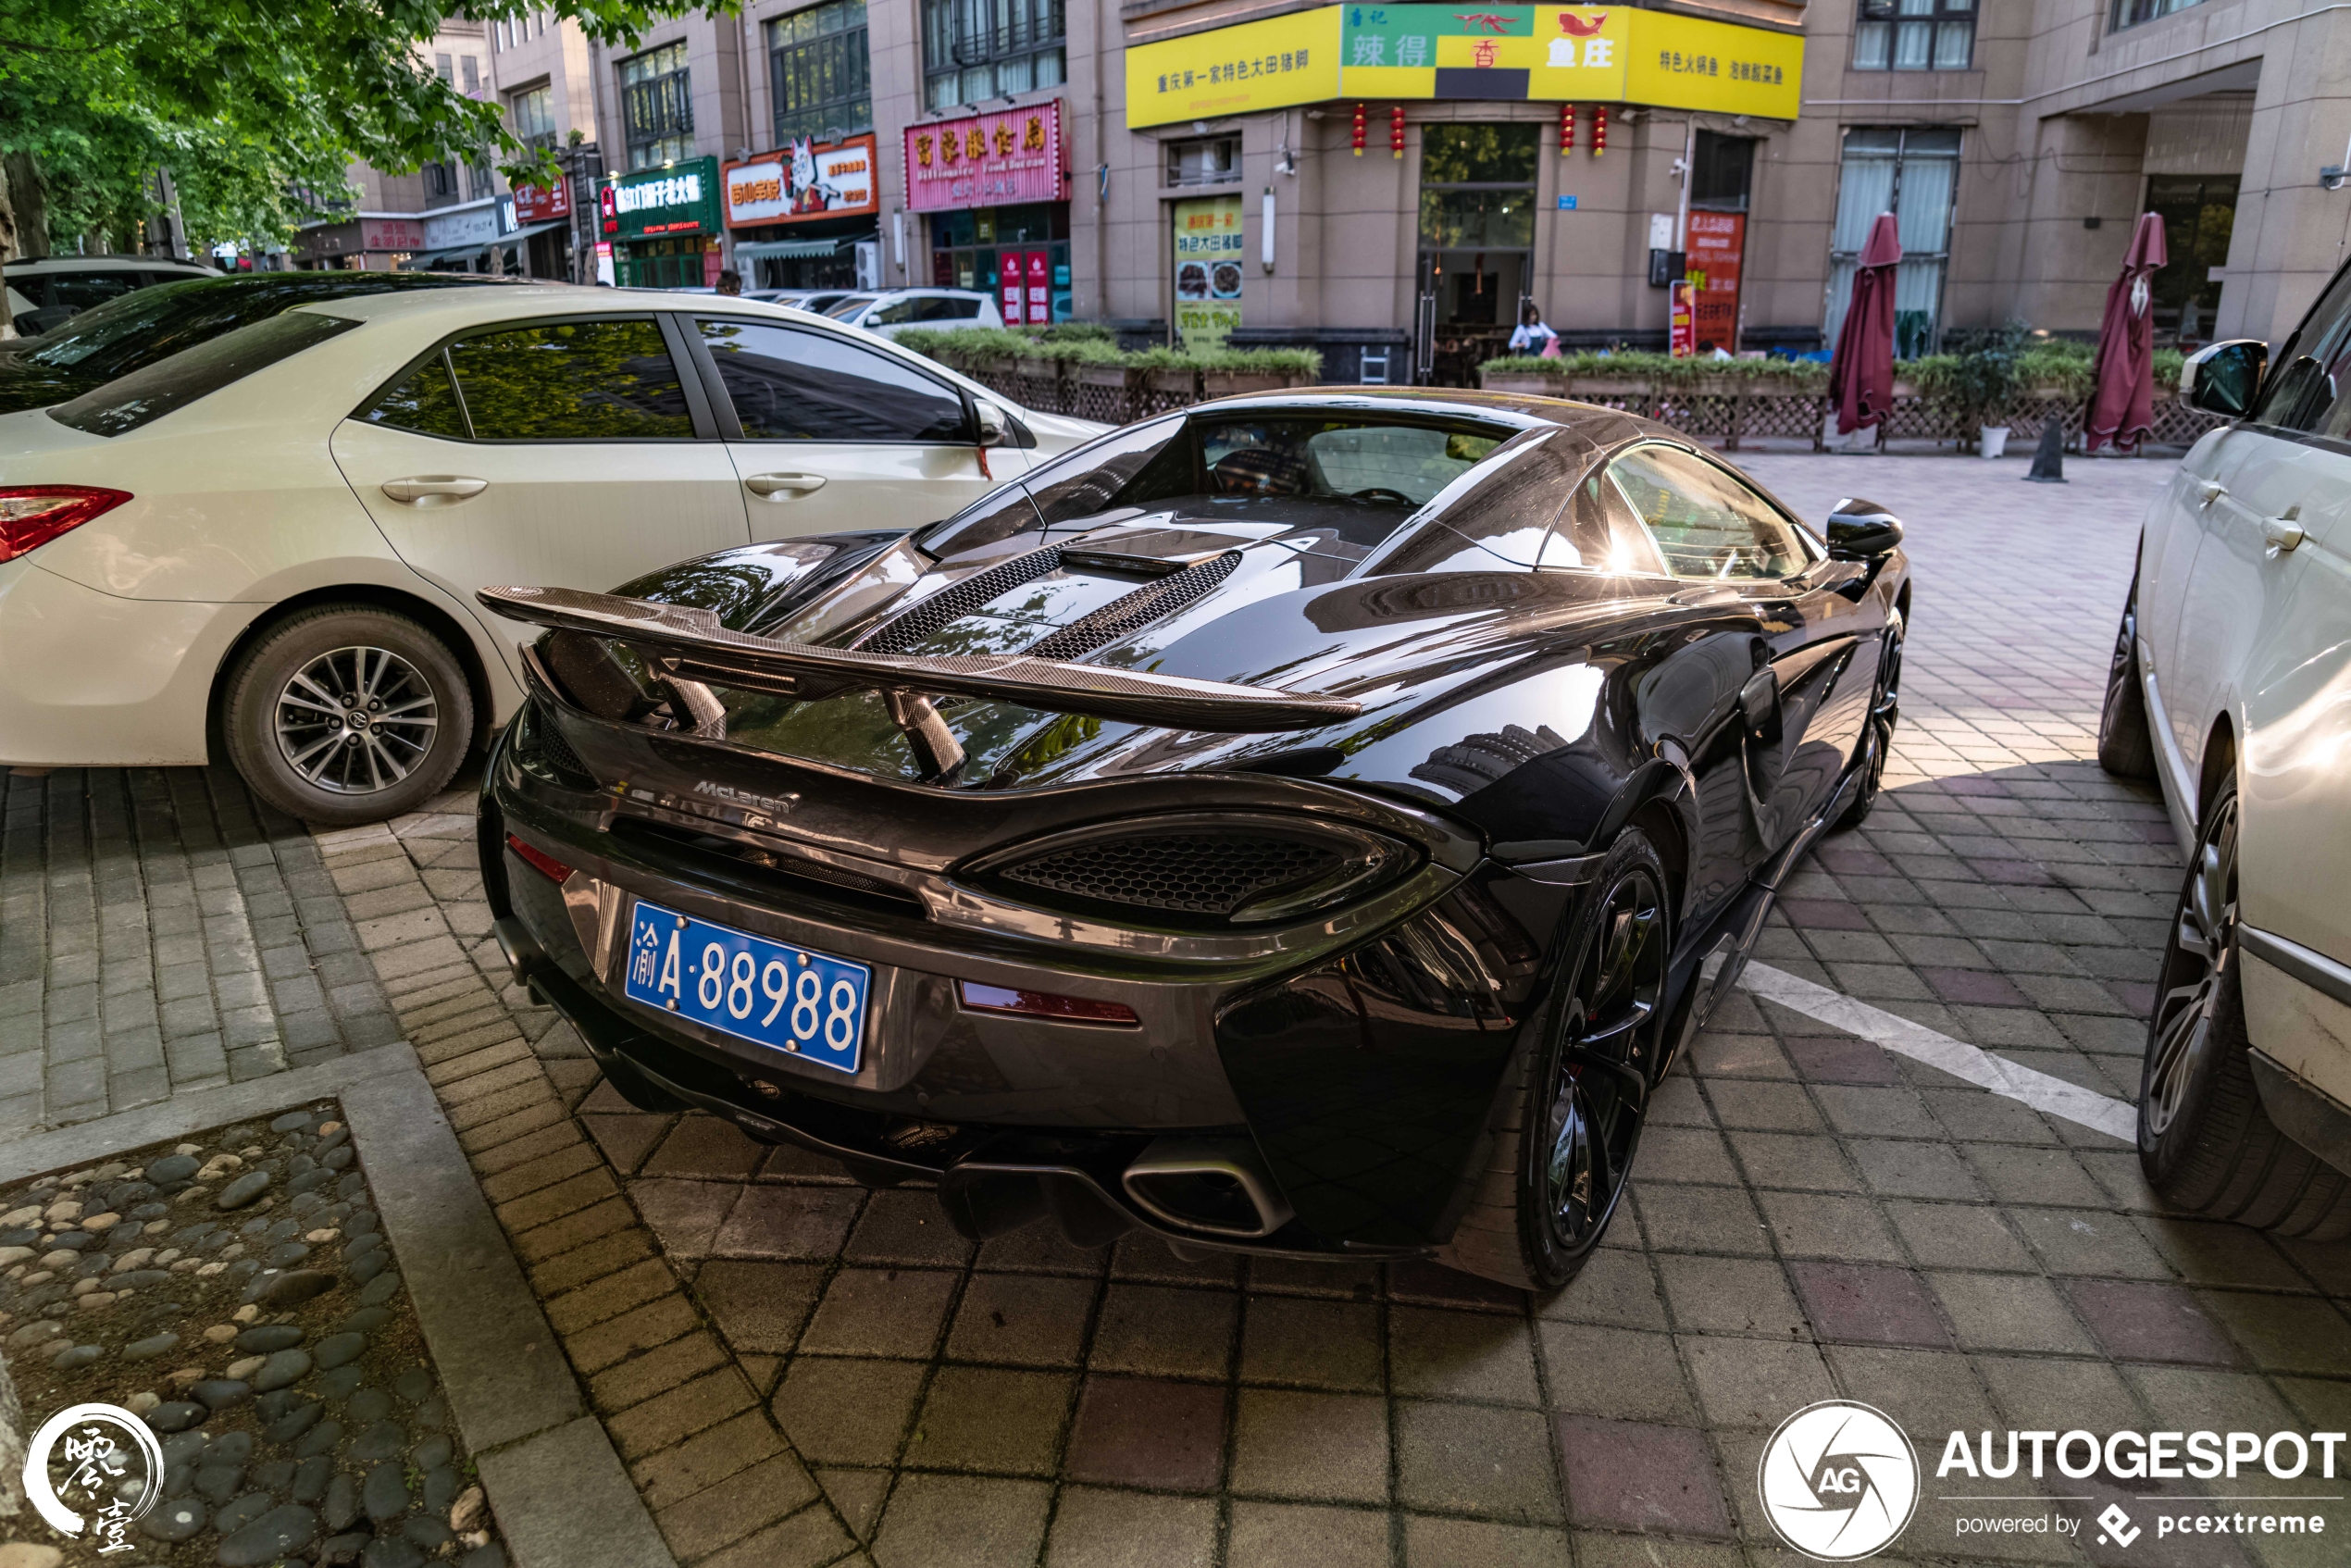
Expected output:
(440, 182)
(473, 75)
(974, 50)
(532, 116)
(1913, 174)
(1214, 161)
(822, 74)
(445, 69)
(2131, 13)
(1723, 172)
(1917, 35)
(656, 109)
(972, 249)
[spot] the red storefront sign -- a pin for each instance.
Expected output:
(1040, 287)
(993, 160)
(1717, 242)
(1681, 330)
(392, 234)
(542, 204)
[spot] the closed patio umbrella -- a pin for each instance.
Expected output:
(2122, 377)
(1861, 372)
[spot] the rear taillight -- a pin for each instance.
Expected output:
(1044, 1004)
(32, 514)
(547, 865)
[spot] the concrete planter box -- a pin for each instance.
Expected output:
(1523, 383)
(1036, 370)
(1231, 383)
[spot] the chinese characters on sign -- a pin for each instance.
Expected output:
(542, 203)
(1260, 65)
(1715, 245)
(1208, 270)
(987, 160)
(805, 181)
(682, 199)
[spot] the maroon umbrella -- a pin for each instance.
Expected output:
(1861, 373)
(2123, 395)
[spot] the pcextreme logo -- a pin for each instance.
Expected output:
(1839, 1480)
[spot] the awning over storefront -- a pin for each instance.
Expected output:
(432, 259)
(793, 250)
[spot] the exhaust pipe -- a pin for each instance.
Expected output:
(1215, 1185)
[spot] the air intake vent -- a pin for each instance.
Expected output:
(948, 605)
(540, 742)
(1205, 873)
(1135, 610)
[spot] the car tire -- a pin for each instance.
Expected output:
(2206, 1143)
(1877, 729)
(1559, 1159)
(2126, 746)
(344, 713)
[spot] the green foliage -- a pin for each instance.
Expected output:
(1664, 367)
(256, 110)
(1088, 344)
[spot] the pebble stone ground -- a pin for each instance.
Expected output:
(799, 1371)
(236, 1290)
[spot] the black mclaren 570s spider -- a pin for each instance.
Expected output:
(1307, 824)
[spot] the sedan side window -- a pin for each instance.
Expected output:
(2309, 388)
(572, 380)
(425, 402)
(792, 384)
(1704, 523)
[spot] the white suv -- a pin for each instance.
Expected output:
(2232, 686)
(931, 309)
(40, 295)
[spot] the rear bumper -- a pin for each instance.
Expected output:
(91, 679)
(1355, 1084)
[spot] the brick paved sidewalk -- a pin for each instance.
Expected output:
(799, 1372)
(161, 931)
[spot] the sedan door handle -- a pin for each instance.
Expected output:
(428, 488)
(788, 484)
(2283, 533)
(2208, 492)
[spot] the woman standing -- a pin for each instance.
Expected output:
(1533, 334)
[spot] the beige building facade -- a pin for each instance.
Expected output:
(1748, 143)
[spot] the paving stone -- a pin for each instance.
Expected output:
(881, 1312)
(994, 1419)
(1099, 1528)
(1277, 1535)
(1149, 1433)
(1638, 1476)
(1472, 1459)
(1298, 1444)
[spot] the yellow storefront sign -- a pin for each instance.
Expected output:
(1232, 70)
(1547, 54)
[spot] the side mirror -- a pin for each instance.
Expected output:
(993, 429)
(2220, 377)
(1862, 530)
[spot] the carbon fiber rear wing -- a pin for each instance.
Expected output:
(690, 644)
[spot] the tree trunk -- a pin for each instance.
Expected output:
(24, 219)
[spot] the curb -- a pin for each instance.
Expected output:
(561, 1495)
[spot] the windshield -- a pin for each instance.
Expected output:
(850, 307)
(130, 401)
(1393, 465)
(138, 329)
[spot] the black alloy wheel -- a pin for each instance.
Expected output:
(1561, 1162)
(1877, 729)
(2206, 1141)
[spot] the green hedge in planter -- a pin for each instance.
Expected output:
(1658, 368)
(1087, 343)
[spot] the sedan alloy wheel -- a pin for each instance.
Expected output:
(356, 720)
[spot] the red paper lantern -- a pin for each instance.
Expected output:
(1396, 131)
(1359, 130)
(1600, 129)
(1567, 129)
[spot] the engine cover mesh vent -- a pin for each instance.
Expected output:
(1135, 610)
(1200, 873)
(900, 634)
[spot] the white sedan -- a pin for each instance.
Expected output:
(278, 534)
(2232, 686)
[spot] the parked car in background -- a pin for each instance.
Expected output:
(40, 295)
(815, 300)
(2231, 686)
(135, 331)
(1310, 824)
(932, 309)
(279, 531)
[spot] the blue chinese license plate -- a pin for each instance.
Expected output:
(800, 1003)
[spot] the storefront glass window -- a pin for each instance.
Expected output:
(818, 60)
(2198, 213)
(1916, 35)
(970, 249)
(1477, 186)
(2131, 13)
(656, 107)
(1211, 162)
(975, 50)
(1913, 174)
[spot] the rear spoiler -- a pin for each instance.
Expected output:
(690, 644)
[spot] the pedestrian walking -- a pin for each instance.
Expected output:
(730, 281)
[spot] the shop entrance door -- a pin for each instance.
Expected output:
(1476, 244)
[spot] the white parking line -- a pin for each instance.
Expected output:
(1892, 1032)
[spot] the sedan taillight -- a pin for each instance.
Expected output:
(32, 514)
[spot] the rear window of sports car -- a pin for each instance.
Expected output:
(143, 396)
